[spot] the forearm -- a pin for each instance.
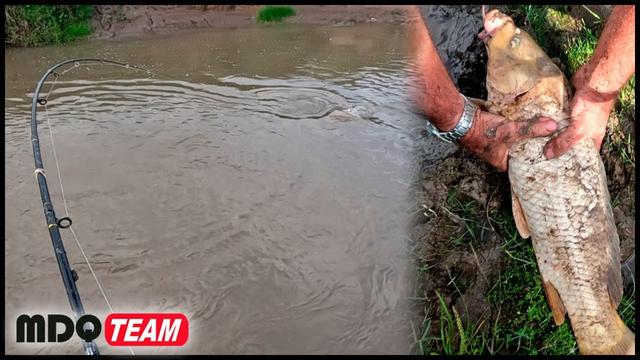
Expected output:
(437, 95)
(613, 61)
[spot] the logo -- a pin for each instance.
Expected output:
(146, 329)
(121, 329)
(34, 327)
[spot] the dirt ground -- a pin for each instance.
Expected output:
(117, 21)
(473, 267)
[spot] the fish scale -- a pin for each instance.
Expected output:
(563, 204)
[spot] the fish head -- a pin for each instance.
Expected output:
(512, 68)
(520, 75)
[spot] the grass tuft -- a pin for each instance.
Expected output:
(273, 13)
(580, 49)
(35, 25)
(467, 210)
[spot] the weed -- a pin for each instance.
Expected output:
(272, 13)
(580, 49)
(467, 211)
(34, 25)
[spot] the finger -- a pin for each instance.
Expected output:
(545, 118)
(562, 143)
(598, 138)
(503, 163)
(541, 127)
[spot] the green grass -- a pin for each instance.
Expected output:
(453, 337)
(467, 210)
(579, 50)
(35, 25)
(542, 22)
(621, 140)
(273, 13)
(627, 96)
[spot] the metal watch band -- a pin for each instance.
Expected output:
(461, 128)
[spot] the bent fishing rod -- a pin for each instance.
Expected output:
(69, 276)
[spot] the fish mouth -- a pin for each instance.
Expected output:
(492, 21)
(485, 34)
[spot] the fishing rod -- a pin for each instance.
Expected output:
(69, 276)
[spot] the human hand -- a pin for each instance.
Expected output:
(491, 136)
(589, 116)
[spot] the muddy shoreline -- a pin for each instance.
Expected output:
(121, 21)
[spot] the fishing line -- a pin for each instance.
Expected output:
(69, 276)
(66, 208)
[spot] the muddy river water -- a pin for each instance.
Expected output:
(261, 185)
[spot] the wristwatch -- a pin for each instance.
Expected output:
(461, 128)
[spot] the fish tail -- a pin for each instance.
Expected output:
(619, 340)
(625, 344)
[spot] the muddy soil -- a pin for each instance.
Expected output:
(117, 21)
(472, 262)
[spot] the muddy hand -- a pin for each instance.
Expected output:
(589, 116)
(491, 136)
(598, 83)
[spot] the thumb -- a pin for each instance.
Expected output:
(537, 128)
(562, 143)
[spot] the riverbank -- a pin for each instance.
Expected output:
(37, 25)
(118, 21)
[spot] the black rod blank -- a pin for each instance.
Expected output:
(66, 272)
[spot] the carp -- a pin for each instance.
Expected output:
(563, 203)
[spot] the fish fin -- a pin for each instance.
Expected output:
(518, 216)
(555, 302)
